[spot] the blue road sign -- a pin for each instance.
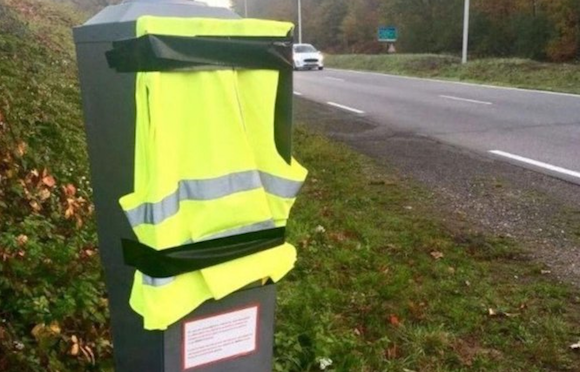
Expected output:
(388, 34)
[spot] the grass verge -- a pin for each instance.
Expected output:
(513, 72)
(383, 285)
(53, 306)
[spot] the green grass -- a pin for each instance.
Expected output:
(368, 293)
(511, 72)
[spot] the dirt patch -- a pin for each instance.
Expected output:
(469, 350)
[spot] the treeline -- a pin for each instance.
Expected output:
(537, 29)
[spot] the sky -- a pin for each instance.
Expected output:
(225, 3)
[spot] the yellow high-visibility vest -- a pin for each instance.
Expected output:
(206, 166)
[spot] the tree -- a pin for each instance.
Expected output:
(325, 25)
(565, 42)
(539, 29)
(359, 26)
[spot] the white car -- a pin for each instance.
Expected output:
(307, 57)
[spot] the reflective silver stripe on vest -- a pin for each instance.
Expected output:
(279, 186)
(268, 224)
(208, 189)
(156, 282)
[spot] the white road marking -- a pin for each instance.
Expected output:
(297, 93)
(537, 163)
(333, 78)
(466, 100)
(459, 83)
(357, 111)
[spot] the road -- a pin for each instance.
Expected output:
(532, 129)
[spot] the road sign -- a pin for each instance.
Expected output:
(388, 34)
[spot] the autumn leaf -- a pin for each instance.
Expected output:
(48, 181)
(69, 211)
(44, 194)
(69, 190)
(41, 331)
(89, 252)
(437, 255)
(4, 255)
(88, 354)
(319, 229)
(20, 148)
(74, 351)
(35, 206)
(22, 240)
(54, 328)
(499, 313)
(37, 331)
(394, 320)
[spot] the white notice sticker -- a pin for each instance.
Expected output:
(220, 337)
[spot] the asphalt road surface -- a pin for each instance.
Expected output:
(532, 129)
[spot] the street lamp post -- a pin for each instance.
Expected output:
(465, 32)
(300, 21)
(246, 8)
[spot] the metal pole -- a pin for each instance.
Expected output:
(246, 8)
(465, 32)
(300, 21)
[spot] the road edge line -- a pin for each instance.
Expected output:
(357, 111)
(536, 163)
